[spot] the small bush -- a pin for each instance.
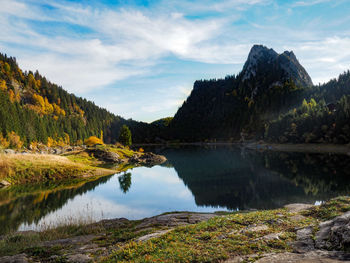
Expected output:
(93, 140)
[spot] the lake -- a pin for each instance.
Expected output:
(203, 179)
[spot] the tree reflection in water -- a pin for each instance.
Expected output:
(125, 182)
(219, 177)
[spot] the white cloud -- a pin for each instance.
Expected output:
(310, 2)
(127, 43)
(325, 58)
(119, 37)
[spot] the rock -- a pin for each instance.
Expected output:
(21, 258)
(334, 234)
(297, 218)
(271, 236)
(175, 219)
(274, 222)
(316, 256)
(254, 228)
(236, 259)
(70, 241)
(296, 208)
(149, 159)
(57, 151)
(44, 149)
(112, 223)
(105, 156)
(4, 183)
(304, 240)
(153, 235)
(9, 151)
(79, 258)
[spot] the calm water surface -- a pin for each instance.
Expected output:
(193, 179)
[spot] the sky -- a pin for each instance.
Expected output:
(140, 58)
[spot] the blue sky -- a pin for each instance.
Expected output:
(139, 59)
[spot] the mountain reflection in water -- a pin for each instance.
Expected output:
(194, 178)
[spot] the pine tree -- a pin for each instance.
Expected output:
(125, 136)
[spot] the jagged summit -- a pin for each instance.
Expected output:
(265, 63)
(258, 54)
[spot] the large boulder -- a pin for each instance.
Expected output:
(9, 151)
(105, 156)
(334, 234)
(148, 159)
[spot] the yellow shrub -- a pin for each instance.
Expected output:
(15, 140)
(33, 145)
(3, 85)
(4, 143)
(93, 140)
(51, 142)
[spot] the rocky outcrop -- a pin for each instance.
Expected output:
(104, 155)
(327, 242)
(175, 219)
(81, 248)
(4, 183)
(316, 256)
(21, 258)
(147, 159)
(334, 234)
(283, 66)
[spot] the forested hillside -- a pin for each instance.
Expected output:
(322, 118)
(272, 98)
(226, 109)
(32, 110)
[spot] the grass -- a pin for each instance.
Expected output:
(84, 158)
(330, 209)
(16, 243)
(227, 236)
(123, 152)
(215, 240)
(33, 168)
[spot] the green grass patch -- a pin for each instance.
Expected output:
(216, 239)
(330, 209)
(31, 242)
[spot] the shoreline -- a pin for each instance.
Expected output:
(262, 146)
(295, 231)
(81, 164)
(306, 148)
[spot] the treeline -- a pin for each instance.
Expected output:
(238, 106)
(225, 109)
(271, 99)
(36, 110)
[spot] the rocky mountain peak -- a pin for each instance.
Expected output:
(263, 62)
(258, 54)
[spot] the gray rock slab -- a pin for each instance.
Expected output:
(21, 258)
(296, 208)
(175, 219)
(152, 235)
(334, 234)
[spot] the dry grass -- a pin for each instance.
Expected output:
(17, 168)
(38, 158)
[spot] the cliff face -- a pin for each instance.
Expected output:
(263, 60)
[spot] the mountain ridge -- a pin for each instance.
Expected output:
(220, 109)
